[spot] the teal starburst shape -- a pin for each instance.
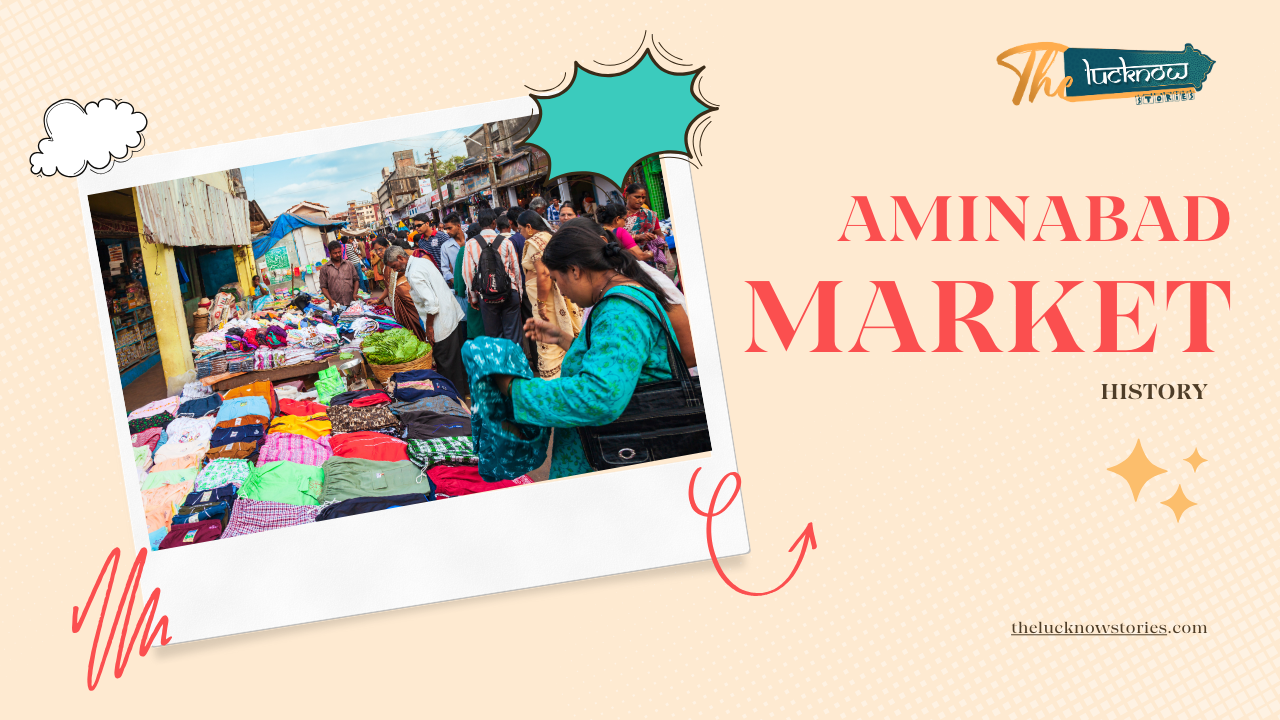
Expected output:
(604, 124)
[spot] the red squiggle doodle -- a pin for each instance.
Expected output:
(148, 615)
(806, 539)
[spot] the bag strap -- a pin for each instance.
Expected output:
(679, 369)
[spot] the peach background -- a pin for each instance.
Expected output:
(951, 494)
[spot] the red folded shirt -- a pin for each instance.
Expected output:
(452, 481)
(367, 400)
(301, 407)
(369, 446)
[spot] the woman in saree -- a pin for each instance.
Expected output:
(628, 345)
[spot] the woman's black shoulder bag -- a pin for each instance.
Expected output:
(664, 419)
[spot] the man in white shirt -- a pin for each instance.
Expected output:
(438, 310)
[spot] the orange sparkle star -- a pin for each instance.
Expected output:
(1195, 459)
(1137, 470)
(1178, 504)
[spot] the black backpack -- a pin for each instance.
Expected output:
(491, 279)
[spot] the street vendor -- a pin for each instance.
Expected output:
(338, 278)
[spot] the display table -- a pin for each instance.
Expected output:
(289, 372)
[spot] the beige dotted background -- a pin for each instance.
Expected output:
(952, 495)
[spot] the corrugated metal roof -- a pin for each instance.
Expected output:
(190, 212)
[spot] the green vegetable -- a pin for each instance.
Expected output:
(393, 347)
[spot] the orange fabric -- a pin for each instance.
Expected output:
(161, 504)
(263, 389)
(244, 420)
(178, 463)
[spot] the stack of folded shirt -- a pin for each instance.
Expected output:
(199, 407)
(223, 471)
(238, 437)
(157, 414)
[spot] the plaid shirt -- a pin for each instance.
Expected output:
(443, 451)
(553, 214)
(294, 448)
(250, 516)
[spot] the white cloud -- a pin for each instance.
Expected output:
(324, 172)
(94, 136)
(299, 188)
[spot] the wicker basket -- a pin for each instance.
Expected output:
(383, 373)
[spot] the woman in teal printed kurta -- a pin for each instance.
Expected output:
(627, 346)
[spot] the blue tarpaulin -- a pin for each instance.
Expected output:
(284, 225)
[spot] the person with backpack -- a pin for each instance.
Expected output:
(491, 269)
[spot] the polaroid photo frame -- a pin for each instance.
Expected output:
(557, 531)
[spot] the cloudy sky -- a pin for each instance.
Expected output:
(333, 178)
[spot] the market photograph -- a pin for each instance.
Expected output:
(392, 324)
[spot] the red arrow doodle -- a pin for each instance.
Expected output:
(806, 539)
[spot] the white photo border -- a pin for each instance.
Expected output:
(526, 536)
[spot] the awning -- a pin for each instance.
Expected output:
(284, 225)
(190, 212)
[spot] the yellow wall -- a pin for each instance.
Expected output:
(167, 309)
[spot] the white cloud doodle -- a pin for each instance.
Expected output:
(94, 136)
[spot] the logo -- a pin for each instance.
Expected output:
(1149, 76)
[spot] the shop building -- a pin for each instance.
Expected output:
(162, 248)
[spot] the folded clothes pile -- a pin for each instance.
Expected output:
(262, 457)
